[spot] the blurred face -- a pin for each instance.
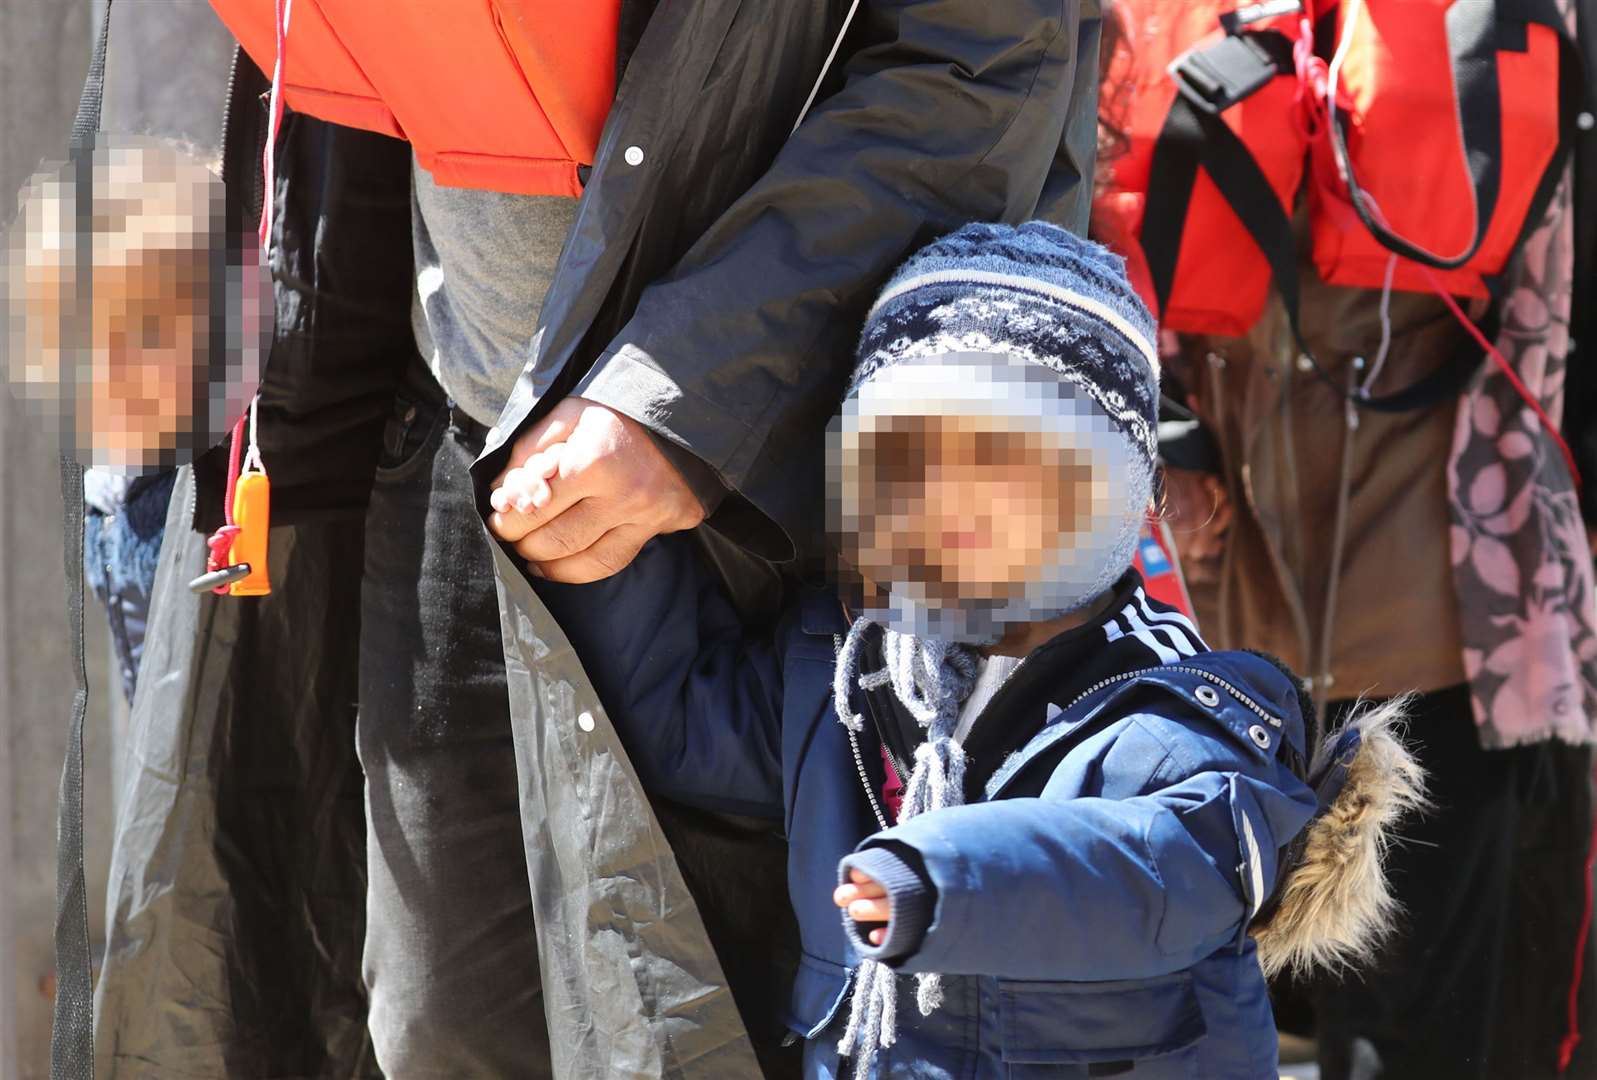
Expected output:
(147, 347)
(116, 367)
(965, 511)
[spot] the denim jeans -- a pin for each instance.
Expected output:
(451, 959)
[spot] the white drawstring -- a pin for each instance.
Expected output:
(827, 67)
(285, 11)
(252, 456)
(1386, 328)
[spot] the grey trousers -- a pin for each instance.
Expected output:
(451, 959)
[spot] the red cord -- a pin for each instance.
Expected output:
(222, 539)
(235, 457)
(1566, 1049)
(1480, 339)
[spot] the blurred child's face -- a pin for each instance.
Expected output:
(147, 341)
(118, 364)
(976, 491)
(968, 511)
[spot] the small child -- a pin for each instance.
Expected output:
(139, 357)
(1011, 774)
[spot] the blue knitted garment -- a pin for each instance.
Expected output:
(1031, 327)
(1036, 292)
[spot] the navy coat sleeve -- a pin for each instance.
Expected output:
(949, 111)
(1105, 888)
(695, 698)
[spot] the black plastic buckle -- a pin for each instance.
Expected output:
(1217, 76)
(215, 579)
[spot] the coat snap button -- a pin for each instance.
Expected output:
(1259, 736)
(1207, 696)
(585, 720)
(634, 156)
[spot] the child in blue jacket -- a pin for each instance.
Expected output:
(1003, 769)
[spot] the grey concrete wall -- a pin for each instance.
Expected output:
(166, 73)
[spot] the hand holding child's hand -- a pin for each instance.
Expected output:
(866, 902)
(526, 487)
(613, 491)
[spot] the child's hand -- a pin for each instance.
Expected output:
(527, 487)
(866, 902)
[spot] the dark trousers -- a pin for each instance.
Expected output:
(1475, 982)
(451, 958)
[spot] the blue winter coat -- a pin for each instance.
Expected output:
(1096, 892)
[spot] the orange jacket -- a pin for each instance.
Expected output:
(507, 95)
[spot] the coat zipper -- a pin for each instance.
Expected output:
(1102, 684)
(853, 737)
(865, 777)
(1112, 680)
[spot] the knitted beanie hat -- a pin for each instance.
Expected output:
(1026, 328)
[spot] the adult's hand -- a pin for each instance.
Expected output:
(586, 488)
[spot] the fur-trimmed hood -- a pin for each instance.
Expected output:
(1334, 904)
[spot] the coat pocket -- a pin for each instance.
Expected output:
(410, 428)
(819, 991)
(1147, 1029)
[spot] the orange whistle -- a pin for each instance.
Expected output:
(252, 512)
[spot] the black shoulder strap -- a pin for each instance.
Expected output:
(1472, 41)
(1210, 80)
(72, 1032)
(1475, 33)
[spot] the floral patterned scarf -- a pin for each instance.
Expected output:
(1522, 566)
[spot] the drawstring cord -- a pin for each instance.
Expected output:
(285, 11)
(831, 57)
(1386, 325)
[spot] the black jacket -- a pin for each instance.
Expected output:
(715, 290)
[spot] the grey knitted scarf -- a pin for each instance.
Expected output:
(931, 679)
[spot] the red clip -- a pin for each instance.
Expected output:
(221, 541)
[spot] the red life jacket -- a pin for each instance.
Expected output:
(1452, 120)
(507, 95)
